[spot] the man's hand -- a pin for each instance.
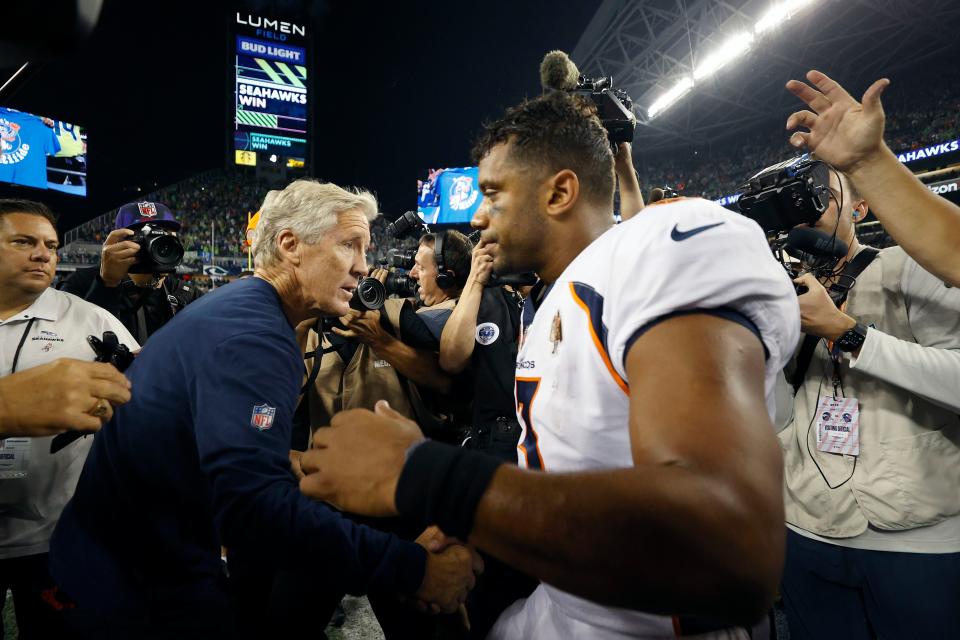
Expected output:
(356, 461)
(631, 199)
(380, 274)
(58, 396)
(482, 264)
(843, 132)
(117, 256)
(623, 160)
(449, 576)
(363, 326)
(295, 464)
(819, 316)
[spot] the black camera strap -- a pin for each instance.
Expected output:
(317, 355)
(849, 274)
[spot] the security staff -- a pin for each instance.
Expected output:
(200, 458)
(38, 326)
(482, 333)
(144, 302)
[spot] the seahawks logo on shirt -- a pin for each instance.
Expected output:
(12, 148)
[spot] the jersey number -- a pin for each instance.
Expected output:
(526, 392)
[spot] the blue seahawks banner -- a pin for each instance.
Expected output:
(458, 195)
(939, 149)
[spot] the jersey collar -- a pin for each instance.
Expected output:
(46, 307)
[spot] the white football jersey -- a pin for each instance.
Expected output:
(572, 389)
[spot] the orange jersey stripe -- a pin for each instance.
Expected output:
(599, 345)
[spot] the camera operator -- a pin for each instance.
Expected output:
(849, 135)
(872, 454)
(44, 334)
(133, 283)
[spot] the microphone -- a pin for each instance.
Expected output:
(805, 241)
(558, 72)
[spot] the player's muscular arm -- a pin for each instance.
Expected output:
(697, 524)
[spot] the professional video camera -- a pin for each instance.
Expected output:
(160, 250)
(408, 223)
(614, 106)
(786, 194)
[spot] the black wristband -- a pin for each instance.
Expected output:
(442, 485)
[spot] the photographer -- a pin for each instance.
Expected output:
(44, 333)
(441, 275)
(376, 355)
(135, 284)
(872, 454)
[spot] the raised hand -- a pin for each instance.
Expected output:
(842, 131)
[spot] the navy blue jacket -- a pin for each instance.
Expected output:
(198, 459)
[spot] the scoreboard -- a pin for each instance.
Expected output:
(270, 93)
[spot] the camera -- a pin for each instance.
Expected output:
(408, 223)
(614, 107)
(401, 284)
(787, 194)
(782, 198)
(403, 259)
(370, 294)
(160, 250)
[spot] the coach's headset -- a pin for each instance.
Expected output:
(446, 278)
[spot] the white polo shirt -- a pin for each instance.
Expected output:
(55, 326)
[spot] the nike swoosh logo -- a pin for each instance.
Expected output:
(678, 235)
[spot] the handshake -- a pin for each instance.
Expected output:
(366, 484)
(451, 572)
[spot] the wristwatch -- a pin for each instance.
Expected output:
(852, 339)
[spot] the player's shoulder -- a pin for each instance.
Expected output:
(680, 219)
(678, 227)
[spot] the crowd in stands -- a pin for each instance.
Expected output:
(921, 112)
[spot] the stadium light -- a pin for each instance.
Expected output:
(732, 48)
(675, 93)
(778, 14)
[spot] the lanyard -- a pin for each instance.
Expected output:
(23, 338)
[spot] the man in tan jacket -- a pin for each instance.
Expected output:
(872, 453)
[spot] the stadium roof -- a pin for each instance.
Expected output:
(648, 45)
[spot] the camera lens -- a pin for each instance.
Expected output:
(401, 284)
(166, 250)
(370, 294)
(402, 259)
(407, 223)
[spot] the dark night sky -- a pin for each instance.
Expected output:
(400, 86)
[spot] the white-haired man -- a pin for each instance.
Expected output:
(201, 459)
